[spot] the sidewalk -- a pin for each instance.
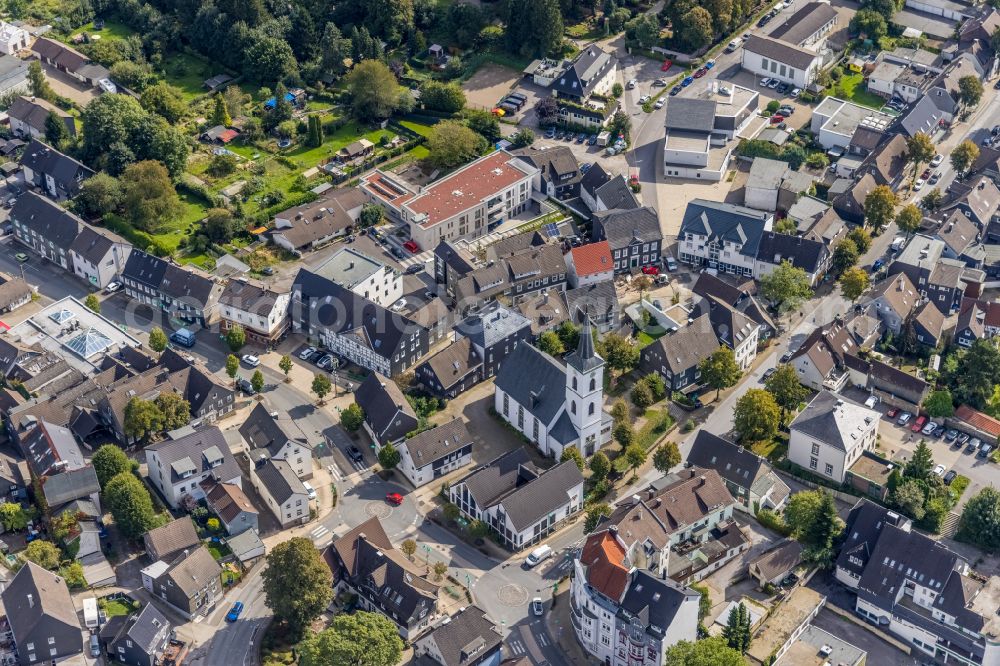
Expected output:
(560, 627)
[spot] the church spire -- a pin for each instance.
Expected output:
(585, 358)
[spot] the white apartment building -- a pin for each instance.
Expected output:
(13, 38)
(363, 275)
(464, 204)
(830, 435)
(261, 312)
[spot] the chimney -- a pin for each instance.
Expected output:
(636, 499)
(31, 601)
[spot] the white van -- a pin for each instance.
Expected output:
(90, 616)
(537, 555)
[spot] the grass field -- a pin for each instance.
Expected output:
(853, 88)
(116, 607)
(188, 73)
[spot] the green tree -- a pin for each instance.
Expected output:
(373, 90)
(909, 497)
(620, 354)
(820, 532)
(352, 417)
(737, 629)
(355, 639)
(970, 90)
(976, 373)
(920, 150)
(534, 28)
(787, 286)
(908, 219)
(620, 411)
(656, 385)
(921, 463)
(932, 200)
(641, 396)
(220, 225)
(786, 225)
(704, 652)
(321, 386)
(220, 112)
(257, 381)
(696, 28)
(93, 303)
(720, 370)
(43, 553)
(845, 255)
(623, 433)
(99, 195)
(756, 416)
(269, 59)
(980, 521)
(666, 457)
(524, 137)
(109, 461)
(389, 457)
(594, 514)
(38, 84)
(784, 386)
(157, 339)
(704, 603)
(175, 409)
(600, 466)
(550, 343)
(870, 24)
(236, 337)
(939, 404)
(483, 123)
(167, 101)
(635, 456)
(13, 517)
(150, 200)
(573, 453)
(963, 156)
(232, 367)
(315, 139)
(55, 131)
(285, 363)
(862, 239)
(130, 504)
(141, 418)
(439, 96)
(451, 143)
(880, 207)
(853, 283)
(298, 586)
(409, 547)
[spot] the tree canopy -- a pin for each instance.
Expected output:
(980, 521)
(880, 207)
(756, 416)
(109, 461)
(298, 585)
(720, 370)
(704, 652)
(130, 504)
(354, 639)
(787, 286)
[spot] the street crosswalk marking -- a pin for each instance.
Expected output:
(517, 647)
(542, 639)
(412, 259)
(319, 533)
(334, 472)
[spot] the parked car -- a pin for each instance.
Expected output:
(918, 185)
(112, 287)
(904, 418)
(394, 498)
(700, 72)
(21, 256)
(951, 435)
(593, 139)
(538, 555)
(354, 453)
(244, 385)
(777, 118)
(962, 438)
(310, 491)
(732, 46)
(939, 470)
(675, 90)
(659, 104)
(250, 360)
(767, 374)
(632, 83)
(666, 65)
(939, 432)
(786, 357)
(234, 612)
(710, 64)
(877, 265)
(937, 159)
(918, 425)
(650, 270)
(973, 445)
(644, 99)
(984, 451)
(671, 264)
(786, 110)
(783, 88)
(929, 428)
(949, 477)
(660, 83)
(412, 246)
(688, 80)
(536, 606)
(773, 85)
(325, 362)
(795, 92)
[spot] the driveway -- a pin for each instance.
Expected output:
(67, 86)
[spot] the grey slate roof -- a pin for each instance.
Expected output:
(35, 596)
(70, 485)
(262, 431)
(802, 24)
(489, 482)
(44, 159)
(616, 193)
(191, 572)
(782, 52)
(725, 222)
(689, 346)
(467, 636)
(147, 629)
(280, 480)
(832, 419)
(621, 227)
(690, 114)
(594, 178)
(579, 79)
(775, 248)
(193, 450)
(534, 380)
(171, 538)
(438, 442)
(527, 504)
(584, 359)
(49, 220)
(34, 112)
(654, 601)
(249, 297)
(495, 324)
(382, 402)
(596, 299)
(735, 464)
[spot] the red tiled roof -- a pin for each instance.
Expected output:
(379, 185)
(604, 558)
(466, 188)
(593, 258)
(228, 135)
(978, 420)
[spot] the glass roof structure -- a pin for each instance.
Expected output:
(90, 342)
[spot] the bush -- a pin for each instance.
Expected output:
(773, 106)
(773, 521)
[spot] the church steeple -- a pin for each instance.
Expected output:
(585, 359)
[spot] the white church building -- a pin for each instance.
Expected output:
(555, 406)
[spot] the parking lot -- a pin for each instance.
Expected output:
(897, 443)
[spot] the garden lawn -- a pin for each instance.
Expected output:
(774, 450)
(218, 550)
(853, 87)
(111, 30)
(306, 157)
(117, 607)
(188, 73)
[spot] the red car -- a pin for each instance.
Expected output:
(394, 498)
(412, 246)
(892, 413)
(777, 118)
(918, 425)
(700, 73)
(666, 65)
(650, 270)
(926, 174)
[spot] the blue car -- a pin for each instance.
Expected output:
(675, 90)
(688, 80)
(234, 612)
(877, 265)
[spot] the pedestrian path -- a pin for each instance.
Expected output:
(320, 534)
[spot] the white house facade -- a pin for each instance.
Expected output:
(831, 434)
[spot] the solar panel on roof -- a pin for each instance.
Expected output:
(551, 230)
